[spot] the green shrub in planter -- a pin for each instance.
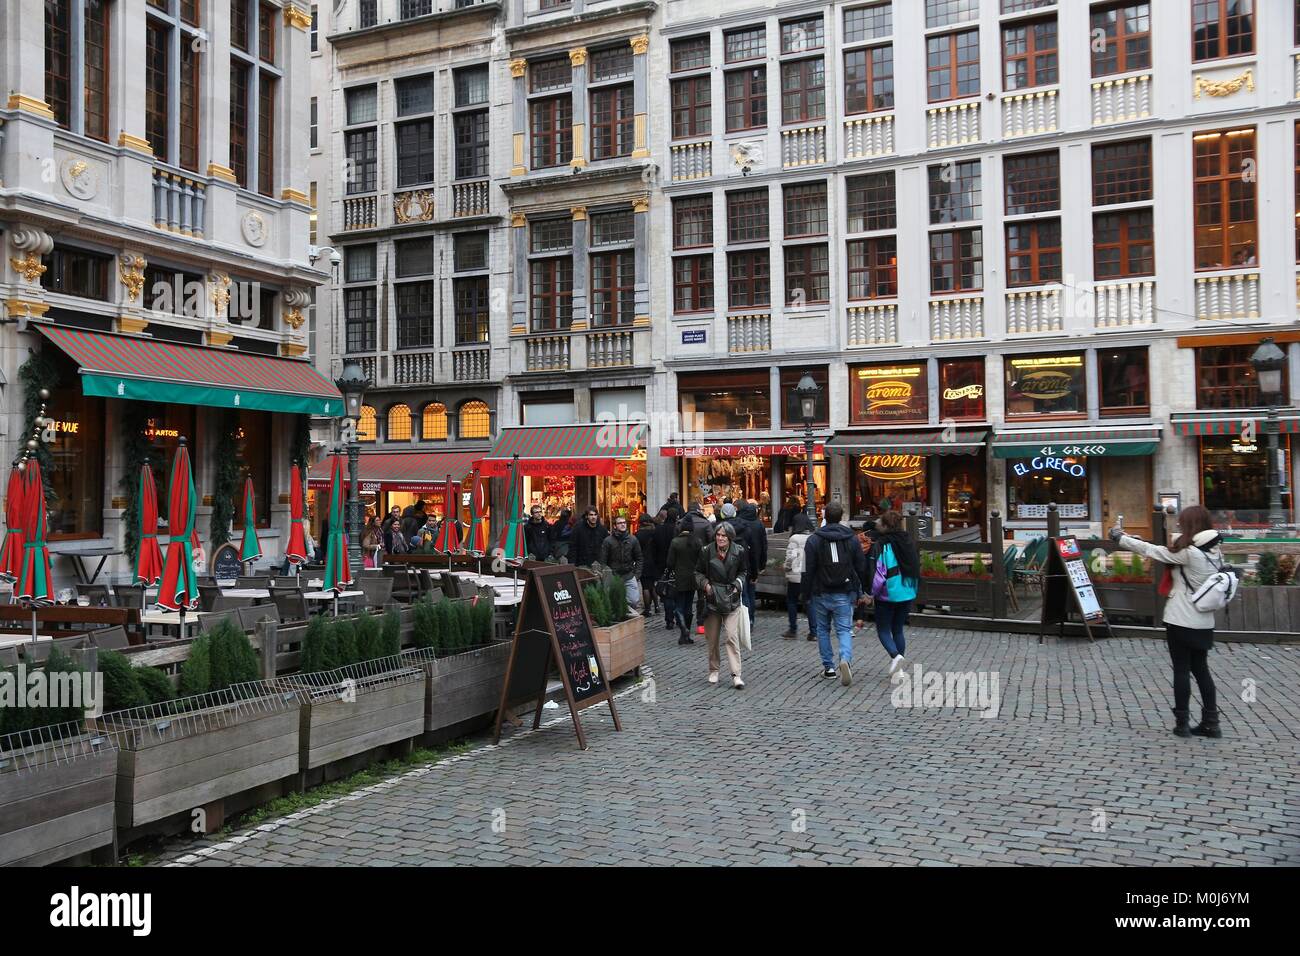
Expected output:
(977, 568)
(218, 659)
(156, 686)
(15, 720)
(345, 636)
(426, 633)
(1266, 569)
(446, 619)
(196, 672)
(370, 644)
(121, 686)
(391, 633)
(313, 644)
(617, 595)
(464, 625)
(597, 604)
(483, 612)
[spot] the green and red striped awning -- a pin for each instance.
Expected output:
(417, 472)
(1231, 423)
(125, 366)
(583, 449)
(1077, 442)
(934, 442)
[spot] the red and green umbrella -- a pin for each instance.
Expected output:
(512, 545)
(11, 558)
(179, 588)
(249, 549)
(297, 550)
(448, 539)
(149, 559)
(476, 538)
(36, 582)
(338, 572)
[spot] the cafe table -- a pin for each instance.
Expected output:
(256, 594)
(170, 621)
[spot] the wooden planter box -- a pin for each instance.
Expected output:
(621, 647)
(52, 811)
(1263, 608)
(464, 686)
(1126, 599)
(975, 594)
(388, 708)
(172, 766)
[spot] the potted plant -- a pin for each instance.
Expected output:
(620, 640)
(1269, 601)
(1125, 589)
(941, 585)
(464, 663)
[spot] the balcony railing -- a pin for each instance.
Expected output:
(178, 202)
(1121, 100)
(805, 146)
(749, 333)
(867, 136)
(1029, 114)
(471, 364)
(872, 325)
(692, 161)
(367, 363)
(1231, 296)
(415, 368)
(1034, 311)
(957, 317)
(1120, 304)
(470, 199)
(546, 353)
(609, 349)
(953, 125)
(359, 213)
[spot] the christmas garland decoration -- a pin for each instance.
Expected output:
(37, 373)
(227, 481)
(135, 452)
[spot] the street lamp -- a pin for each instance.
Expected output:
(808, 392)
(353, 384)
(1269, 361)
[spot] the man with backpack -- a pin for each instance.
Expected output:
(834, 569)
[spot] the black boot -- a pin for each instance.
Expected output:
(1209, 725)
(1180, 727)
(685, 637)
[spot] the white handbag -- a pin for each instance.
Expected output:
(746, 642)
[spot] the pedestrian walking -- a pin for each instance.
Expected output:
(801, 528)
(1190, 562)
(834, 568)
(719, 573)
(753, 535)
(621, 553)
(665, 531)
(683, 555)
(587, 538)
(650, 564)
(894, 572)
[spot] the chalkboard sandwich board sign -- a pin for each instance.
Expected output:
(1067, 589)
(553, 631)
(226, 565)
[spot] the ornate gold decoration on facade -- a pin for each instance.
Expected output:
(579, 213)
(220, 294)
(26, 308)
(518, 220)
(641, 203)
(578, 56)
(294, 195)
(134, 142)
(132, 274)
(414, 206)
(292, 349)
(132, 324)
(221, 172)
(1225, 87)
(77, 168)
(30, 104)
(641, 44)
(30, 266)
(293, 318)
(518, 67)
(219, 338)
(298, 19)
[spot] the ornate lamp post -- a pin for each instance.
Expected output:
(808, 392)
(353, 384)
(1269, 361)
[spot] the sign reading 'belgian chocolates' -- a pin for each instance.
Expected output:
(889, 393)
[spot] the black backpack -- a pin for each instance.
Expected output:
(835, 564)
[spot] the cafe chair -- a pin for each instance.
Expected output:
(128, 595)
(250, 616)
(378, 590)
(110, 638)
(9, 655)
(209, 621)
(1009, 577)
(208, 595)
(290, 603)
(259, 581)
(40, 652)
(226, 603)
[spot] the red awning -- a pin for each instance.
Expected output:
(584, 449)
(792, 449)
(1231, 423)
(417, 472)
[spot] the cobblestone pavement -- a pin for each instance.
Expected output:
(1077, 767)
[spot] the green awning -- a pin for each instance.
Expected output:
(1077, 442)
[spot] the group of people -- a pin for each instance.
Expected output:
(401, 531)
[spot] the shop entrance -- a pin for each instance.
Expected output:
(1126, 490)
(962, 486)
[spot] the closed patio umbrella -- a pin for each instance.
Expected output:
(477, 537)
(249, 550)
(512, 545)
(36, 582)
(448, 539)
(11, 558)
(179, 589)
(338, 572)
(148, 559)
(296, 552)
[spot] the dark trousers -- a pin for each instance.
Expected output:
(680, 605)
(750, 596)
(1191, 662)
(792, 593)
(891, 616)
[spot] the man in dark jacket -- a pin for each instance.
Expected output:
(673, 508)
(651, 563)
(412, 523)
(683, 553)
(665, 531)
(539, 536)
(834, 572)
(587, 538)
(754, 537)
(699, 525)
(621, 553)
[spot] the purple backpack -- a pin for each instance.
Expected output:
(879, 580)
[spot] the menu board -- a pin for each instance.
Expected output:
(226, 565)
(1068, 549)
(578, 658)
(1068, 587)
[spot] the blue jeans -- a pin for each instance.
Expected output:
(749, 596)
(792, 595)
(890, 618)
(836, 607)
(681, 607)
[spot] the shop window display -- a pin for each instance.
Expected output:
(888, 394)
(883, 481)
(76, 472)
(747, 477)
(738, 400)
(961, 389)
(1046, 386)
(1235, 479)
(1034, 483)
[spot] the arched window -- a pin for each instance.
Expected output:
(434, 424)
(366, 426)
(399, 423)
(475, 422)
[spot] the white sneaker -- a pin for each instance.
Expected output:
(846, 673)
(737, 683)
(895, 664)
(713, 677)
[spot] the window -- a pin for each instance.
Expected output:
(171, 290)
(746, 99)
(807, 274)
(955, 192)
(473, 309)
(961, 389)
(552, 293)
(549, 235)
(873, 268)
(314, 219)
(608, 228)
(416, 318)
(65, 79)
(889, 394)
(433, 422)
(1020, 6)
(367, 13)
(415, 152)
(359, 264)
(1034, 252)
(472, 147)
(74, 468)
(747, 44)
(611, 122)
(692, 283)
(359, 312)
(871, 202)
(77, 272)
(399, 423)
(367, 424)
(802, 36)
(1029, 54)
(1125, 389)
(692, 221)
(552, 126)
(58, 59)
(739, 399)
(805, 210)
(953, 65)
(940, 13)
(1224, 199)
(475, 420)
(612, 63)
(1297, 188)
(409, 9)
(869, 79)
(470, 251)
(552, 74)
(747, 215)
(868, 23)
(315, 39)
(1123, 244)
(1126, 30)
(803, 90)
(1121, 172)
(1226, 379)
(95, 68)
(266, 15)
(1033, 183)
(613, 281)
(1222, 28)
(957, 261)
(315, 125)
(471, 86)
(362, 105)
(414, 95)
(793, 413)
(239, 122)
(748, 279)
(691, 53)
(172, 84)
(254, 82)
(414, 258)
(1046, 385)
(692, 107)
